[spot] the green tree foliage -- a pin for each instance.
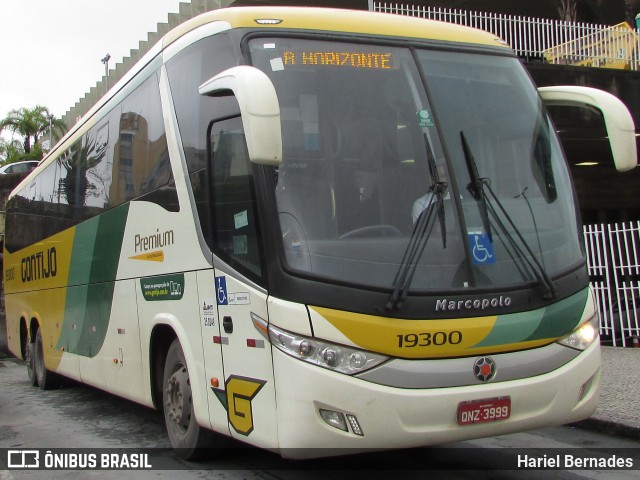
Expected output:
(30, 124)
(77, 161)
(631, 8)
(10, 151)
(568, 10)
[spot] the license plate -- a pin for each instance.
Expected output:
(483, 411)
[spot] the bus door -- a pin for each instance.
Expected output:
(247, 390)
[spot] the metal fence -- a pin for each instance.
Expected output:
(553, 41)
(613, 251)
(613, 258)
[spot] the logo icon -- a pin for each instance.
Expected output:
(23, 459)
(484, 369)
(240, 392)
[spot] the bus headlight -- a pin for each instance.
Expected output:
(335, 357)
(583, 336)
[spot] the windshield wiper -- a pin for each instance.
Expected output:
(420, 236)
(475, 185)
(433, 169)
(477, 188)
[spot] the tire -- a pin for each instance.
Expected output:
(29, 351)
(188, 439)
(46, 379)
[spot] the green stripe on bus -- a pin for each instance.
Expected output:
(82, 252)
(554, 321)
(562, 318)
(108, 244)
(94, 264)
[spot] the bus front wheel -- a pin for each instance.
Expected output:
(188, 439)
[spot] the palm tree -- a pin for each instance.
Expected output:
(31, 124)
(77, 161)
(631, 8)
(568, 10)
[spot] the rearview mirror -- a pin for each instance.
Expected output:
(617, 119)
(259, 109)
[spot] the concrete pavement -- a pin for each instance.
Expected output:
(619, 409)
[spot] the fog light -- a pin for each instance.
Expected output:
(335, 419)
(355, 426)
(585, 388)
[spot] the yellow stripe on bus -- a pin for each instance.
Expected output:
(410, 338)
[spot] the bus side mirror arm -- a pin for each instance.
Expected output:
(617, 119)
(259, 108)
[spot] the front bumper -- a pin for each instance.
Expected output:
(393, 417)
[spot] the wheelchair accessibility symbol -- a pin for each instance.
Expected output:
(221, 291)
(481, 248)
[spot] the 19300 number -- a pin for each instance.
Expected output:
(427, 339)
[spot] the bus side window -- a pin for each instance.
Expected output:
(235, 225)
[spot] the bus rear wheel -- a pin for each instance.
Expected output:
(188, 439)
(45, 379)
(28, 353)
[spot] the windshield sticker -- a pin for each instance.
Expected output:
(240, 245)
(374, 61)
(269, 46)
(310, 126)
(241, 219)
(276, 64)
(425, 119)
(481, 248)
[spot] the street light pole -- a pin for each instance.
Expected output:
(105, 61)
(50, 120)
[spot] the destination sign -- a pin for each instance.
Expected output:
(376, 61)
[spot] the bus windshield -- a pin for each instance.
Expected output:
(440, 167)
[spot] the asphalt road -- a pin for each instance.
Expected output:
(76, 417)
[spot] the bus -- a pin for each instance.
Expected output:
(316, 231)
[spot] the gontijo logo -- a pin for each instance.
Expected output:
(43, 264)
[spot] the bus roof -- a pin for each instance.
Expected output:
(338, 20)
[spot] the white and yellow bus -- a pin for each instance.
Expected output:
(315, 231)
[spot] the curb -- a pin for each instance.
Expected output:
(609, 427)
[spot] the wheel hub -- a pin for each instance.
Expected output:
(179, 398)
